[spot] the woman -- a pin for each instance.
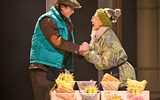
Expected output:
(106, 51)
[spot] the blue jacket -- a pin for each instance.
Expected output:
(42, 51)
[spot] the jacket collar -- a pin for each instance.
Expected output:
(58, 14)
(96, 34)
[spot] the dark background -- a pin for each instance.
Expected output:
(82, 23)
(18, 18)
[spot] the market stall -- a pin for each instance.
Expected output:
(88, 90)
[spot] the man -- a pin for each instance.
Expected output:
(53, 47)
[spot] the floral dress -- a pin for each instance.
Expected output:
(107, 52)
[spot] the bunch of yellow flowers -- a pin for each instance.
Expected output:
(135, 87)
(65, 79)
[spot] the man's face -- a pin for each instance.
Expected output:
(67, 11)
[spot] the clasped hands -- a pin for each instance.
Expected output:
(84, 48)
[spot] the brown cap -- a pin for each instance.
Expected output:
(72, 3)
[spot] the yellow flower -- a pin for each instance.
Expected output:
(136, 87)
(65, 79)
(91, 89)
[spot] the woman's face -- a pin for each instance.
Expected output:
(67, 11)
(96, 22)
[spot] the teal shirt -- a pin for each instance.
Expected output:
(42, 51)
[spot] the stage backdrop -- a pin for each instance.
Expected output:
(18, 18)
